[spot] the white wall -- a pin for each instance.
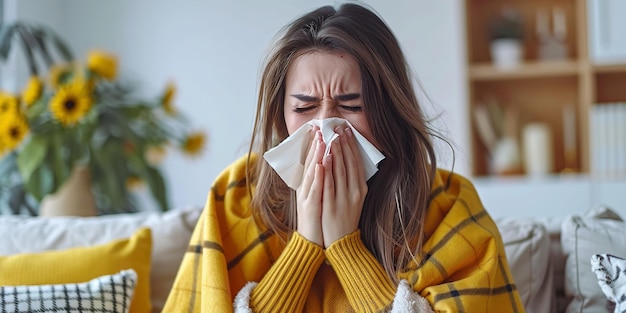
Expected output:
(213, 51)
(553, 196)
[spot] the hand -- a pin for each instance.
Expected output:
(345, 188)
(309, 193)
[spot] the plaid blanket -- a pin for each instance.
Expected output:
(464, 268)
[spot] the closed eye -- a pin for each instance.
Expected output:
(352, 108)
(302, 109)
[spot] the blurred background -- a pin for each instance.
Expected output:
(213, 52)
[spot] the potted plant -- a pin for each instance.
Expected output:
(506, 39)
(78, 124)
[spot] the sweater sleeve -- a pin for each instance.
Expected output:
(286, 285)
(364, 280)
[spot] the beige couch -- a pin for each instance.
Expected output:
(170, 237)
(549, 258)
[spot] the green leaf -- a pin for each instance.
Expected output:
(157, 187)
(31, 156)
(37, 109)
(41, 182)
(60, 167)
(109, 170)
(7, 165)
(6, 36)
(16, 199)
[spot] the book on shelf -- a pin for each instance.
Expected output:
(607, 127)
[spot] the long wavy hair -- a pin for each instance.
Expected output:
(392, 220)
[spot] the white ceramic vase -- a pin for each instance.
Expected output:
(507, 53)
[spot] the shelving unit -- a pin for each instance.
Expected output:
(539, 90)
(531, 69)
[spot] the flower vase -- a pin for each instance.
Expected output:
(507, 53)
(74, 197)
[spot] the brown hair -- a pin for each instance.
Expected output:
(392, 219)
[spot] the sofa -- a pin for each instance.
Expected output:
(549, 257)
(62, 249)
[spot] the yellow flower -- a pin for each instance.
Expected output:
(8, 104)
(13, 130)
(33, 90)
(194, 143)
(70, 103)
(57, 74)
(168, 99)
(155, 154)
(2, 148)
(103, 64)
(134, 183)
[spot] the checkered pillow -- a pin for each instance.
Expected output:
(611, 273)
(105, 294)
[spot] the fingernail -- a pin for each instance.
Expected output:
(349, 132)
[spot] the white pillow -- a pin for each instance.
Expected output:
(599, 231)
(105, 294)
(527, 247)
(171, 232)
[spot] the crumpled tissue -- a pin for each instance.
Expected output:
(288, 157)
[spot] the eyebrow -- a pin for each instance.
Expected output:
(343, 97)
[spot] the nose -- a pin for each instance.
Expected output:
(328, 109)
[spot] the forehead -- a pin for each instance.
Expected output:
(323, 68)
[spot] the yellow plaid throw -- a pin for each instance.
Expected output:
(464, 268)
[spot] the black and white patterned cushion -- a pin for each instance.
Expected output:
(105, 294)
(611, 273)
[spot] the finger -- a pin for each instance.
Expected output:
(328, 199)
(311, 145)
(338, 164)
(310, 209)
(355, 165)
(317, 187)
(316, 151)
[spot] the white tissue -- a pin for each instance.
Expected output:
(288, 157)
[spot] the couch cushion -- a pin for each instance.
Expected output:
(527, 246)
(557, 258)
(81, 264)
(104, 294)
(599, 231)
(170, 232)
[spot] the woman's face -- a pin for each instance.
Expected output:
(321, 85)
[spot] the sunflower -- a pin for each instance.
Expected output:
(8, 104)
(168, 99)
(193, 143)
(58, 74)
(70, 103)
(33, 90)
(102, 64)
(12, 131)
(3, 150)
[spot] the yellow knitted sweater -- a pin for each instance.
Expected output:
(464, 268)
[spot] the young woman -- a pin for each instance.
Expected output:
(412, 238)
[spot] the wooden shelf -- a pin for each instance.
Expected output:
(548, 92)
(609, 68)
(533, 69)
